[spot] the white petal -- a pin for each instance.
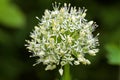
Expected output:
(61, 71)
(76, 62)
(50, 67)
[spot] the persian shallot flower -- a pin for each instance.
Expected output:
(63, 36)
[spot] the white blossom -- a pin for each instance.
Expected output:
(63, 36)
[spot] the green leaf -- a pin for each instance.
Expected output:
(113, 53)
(10, 15)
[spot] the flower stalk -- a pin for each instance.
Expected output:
(66, 75)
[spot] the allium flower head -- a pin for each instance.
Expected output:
(63, 36)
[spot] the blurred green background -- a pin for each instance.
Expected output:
(17, 19)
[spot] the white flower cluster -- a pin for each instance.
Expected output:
(62, 37)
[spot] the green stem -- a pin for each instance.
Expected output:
(66, 75)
